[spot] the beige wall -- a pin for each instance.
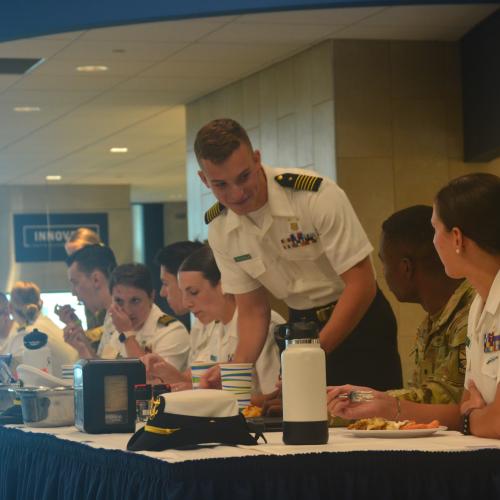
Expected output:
(51, 276)
(287, 110)
(398, 135)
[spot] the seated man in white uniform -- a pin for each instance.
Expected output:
(169, 259)
(133, 325)
(214, 335)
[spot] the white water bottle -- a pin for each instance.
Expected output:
(303, 373)
(37, 351)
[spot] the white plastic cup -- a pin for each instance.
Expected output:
(198, 369)
(237, 379)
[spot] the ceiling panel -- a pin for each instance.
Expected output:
(117, 51)
(202, 69)
(32, 47)
(313, 16)
(238, 33)
(116, 67)
(168, 31)
(434, 15)
(219, 52)
(70, 81)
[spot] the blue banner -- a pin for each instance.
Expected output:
(41, 237)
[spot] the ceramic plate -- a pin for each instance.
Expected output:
(397, 434)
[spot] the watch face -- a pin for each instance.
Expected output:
(122, 338)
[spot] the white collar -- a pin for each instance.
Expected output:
(277, 199)
(492, 304)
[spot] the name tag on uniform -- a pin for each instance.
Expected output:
(241, 258)
(491, 342)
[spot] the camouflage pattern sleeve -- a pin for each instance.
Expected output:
(442, 372)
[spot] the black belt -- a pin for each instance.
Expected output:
(319, 314)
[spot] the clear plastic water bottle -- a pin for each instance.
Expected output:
(303, 373)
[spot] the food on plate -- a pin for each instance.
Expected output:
(252, 411)
(413, 425)
(378, 423)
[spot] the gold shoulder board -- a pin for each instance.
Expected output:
(214, 211)
(299, 182)
(94, 334)
(165, 320)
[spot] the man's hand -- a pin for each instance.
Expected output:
(382, 405)
(159, 371)
(272, 405)
(76, 338)
(474, 402)
(211, 378)
(67, 315)
(120, 319)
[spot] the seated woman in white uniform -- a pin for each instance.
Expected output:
(25, 307)
(213, 335)
(466, 222)
(135, 325)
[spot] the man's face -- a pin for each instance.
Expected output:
(171, 292)
(84, 287)
(239, 182)
(396, 271)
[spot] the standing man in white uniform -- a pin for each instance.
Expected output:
(295, 234)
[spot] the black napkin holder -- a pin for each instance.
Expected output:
(104, 394)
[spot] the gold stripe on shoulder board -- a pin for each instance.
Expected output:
(165, 320)
(299, 182)
(214, 211)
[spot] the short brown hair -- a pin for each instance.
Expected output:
(218, 139)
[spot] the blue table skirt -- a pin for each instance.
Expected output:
(43, 467)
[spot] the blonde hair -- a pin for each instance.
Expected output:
(25, 301)
(85, 236)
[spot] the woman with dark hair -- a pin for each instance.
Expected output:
(214, 335)
(140, 326)
(466, 221)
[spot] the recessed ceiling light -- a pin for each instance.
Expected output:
(91, 69)
(53, 177)
(118, 150)
(26, 109)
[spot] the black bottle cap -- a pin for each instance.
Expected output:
(35, 340)
(302, 330)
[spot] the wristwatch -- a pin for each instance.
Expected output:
(126, 335)
(466, 423)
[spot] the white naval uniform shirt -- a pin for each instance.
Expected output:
(61, 352)
(304, 242)
(484, 367)
(217, 342)
(170, 341)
